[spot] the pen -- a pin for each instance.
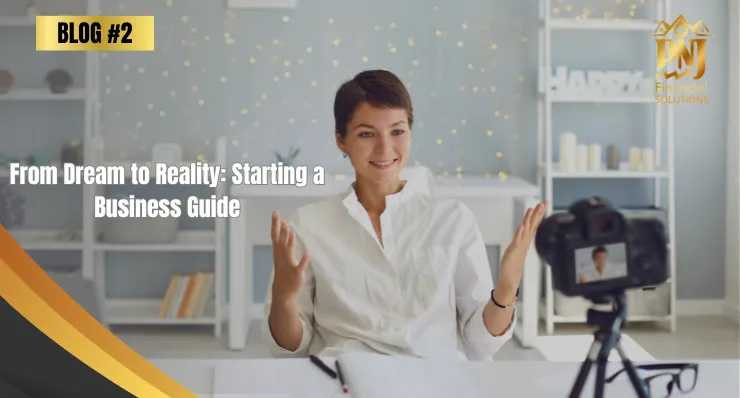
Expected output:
(341, 378)
(316, 361)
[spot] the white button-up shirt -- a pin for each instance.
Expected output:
(420, 294)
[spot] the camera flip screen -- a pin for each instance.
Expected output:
(600, 263)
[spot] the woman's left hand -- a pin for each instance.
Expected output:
(512, 262)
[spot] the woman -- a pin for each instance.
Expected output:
(384, 267)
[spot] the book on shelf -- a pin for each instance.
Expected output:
(187, 295)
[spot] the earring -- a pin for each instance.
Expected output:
(345, 154)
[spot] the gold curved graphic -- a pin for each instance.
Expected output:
(28, 289)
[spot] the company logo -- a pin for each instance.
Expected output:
(681, 53)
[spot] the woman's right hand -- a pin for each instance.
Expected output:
(289, 273)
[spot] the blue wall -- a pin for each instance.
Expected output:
(449, 84)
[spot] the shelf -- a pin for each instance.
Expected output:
(187, 241)
(604, 173)
(42, 94)
(632, 99)
(582, 318)
(146, 312)
(45, 239)
(632, 24)
(19, 21)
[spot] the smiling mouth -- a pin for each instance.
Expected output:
(384, 164)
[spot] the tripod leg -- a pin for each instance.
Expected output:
(637, 383)
(601, 364)
(593, 352)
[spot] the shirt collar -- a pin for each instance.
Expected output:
(351, 202)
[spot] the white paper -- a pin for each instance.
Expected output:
(375, 375)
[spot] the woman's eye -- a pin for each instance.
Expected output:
(399, 132)
(366, 134)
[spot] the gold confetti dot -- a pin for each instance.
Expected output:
(434, 95)
(521, 78)
(252, 60)
(336, 42)
(331, 21)
(263, 96)
(439, 141)
(493, 89)
(470, 66)
(207, 142)
(494, 46)
(235, 143)
(201, 102)
(287, 75)
(475, 89)
(187, 63)
(438, 32)
(107, 78)
(161, 113)
(300, 61)
(415, 63)
(286, 18)
(128, 87)
(463, 122)
(207, 38)
(173, 94)
(335, 62)
(256, 124)
(489, 132)
(462, 88)
(506, 116)
(142, 70)
(364, 59)
(233, 123)
(276, 78)
(169, 3)
(417, 163)
(291, 120)
(459, 43)
(502, 176)
(201, 158)
(309, 50)
(150, 106)
(194, 30)
(435, 8)
(377, 27)
(393, 25)
(125, 67)
(165, 73)
(107, 90)
(411, 41)
(139, 124)
(313, 84)
(497, 113)
(259, 47)
(286, 63)
(244, 111)
(454, 131)
(459, 169)
(184, 18)
(465, 26)
(393, 49)
(223, 79)
(499, 155)
(440, 164)
(314, 121)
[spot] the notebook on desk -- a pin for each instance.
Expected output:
(374, 375)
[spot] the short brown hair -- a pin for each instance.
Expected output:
(379, 88)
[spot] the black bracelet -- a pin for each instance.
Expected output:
(503, 306)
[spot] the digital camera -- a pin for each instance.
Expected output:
(594, 250)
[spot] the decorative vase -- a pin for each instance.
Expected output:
(59, 81)
(6, 81)
(72, 152)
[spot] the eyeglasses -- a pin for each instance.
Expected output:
(661, 385)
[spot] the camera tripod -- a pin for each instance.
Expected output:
(607, 338)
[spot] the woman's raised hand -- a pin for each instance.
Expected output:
(289, 273)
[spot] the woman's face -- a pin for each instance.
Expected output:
(378, 142)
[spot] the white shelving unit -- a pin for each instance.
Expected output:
(133, 311)
(548, 172)
(50, 239)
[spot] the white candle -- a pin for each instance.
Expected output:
(582, 158)
(594, 157)
(634, 160)
(567, 156)
(648, 159)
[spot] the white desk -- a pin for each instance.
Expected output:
(499, 206)
(292, 378)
